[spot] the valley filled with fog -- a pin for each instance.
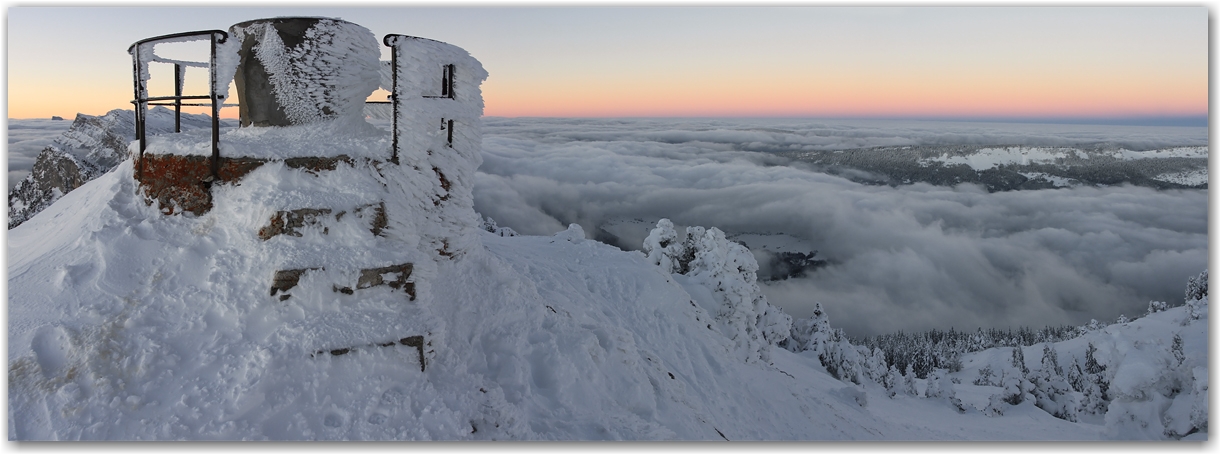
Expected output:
(891, 255)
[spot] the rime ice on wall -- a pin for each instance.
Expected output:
(318, 69)
(440, 106)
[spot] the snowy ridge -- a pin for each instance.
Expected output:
(1186, 177)
(987, 158)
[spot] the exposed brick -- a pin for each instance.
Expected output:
(317, 164)
(184, 182)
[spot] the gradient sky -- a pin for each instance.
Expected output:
(924, 62)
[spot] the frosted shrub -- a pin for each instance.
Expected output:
(663, 248)
(909, 382)
(892, 381)
(489, 225)
(984, 378)
(810, 334)
(1157, 306)
(1196, 298)
(1196, 287)
(941, 387)
(875, 367)
(729, 270)
(1051, 390)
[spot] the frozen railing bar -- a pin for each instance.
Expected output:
(140, 60)
(182, 37)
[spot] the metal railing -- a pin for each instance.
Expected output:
(142, 100)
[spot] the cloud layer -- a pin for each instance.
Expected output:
(909, 258)
(26, 138)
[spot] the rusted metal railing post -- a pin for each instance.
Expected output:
(177, 97)
(395, 98)
(215, 110)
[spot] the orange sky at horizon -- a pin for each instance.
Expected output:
(796, 62)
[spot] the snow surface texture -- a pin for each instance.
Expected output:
(127, 324)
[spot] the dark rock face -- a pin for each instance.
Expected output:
(89, 148)
(55, 173)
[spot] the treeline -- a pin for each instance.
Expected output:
(937, 349)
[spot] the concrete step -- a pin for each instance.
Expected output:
(396, 277)
(410, 341)
(291, 222)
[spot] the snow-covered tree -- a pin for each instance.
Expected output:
(663, 247)
(1198, 407)
(1196, 298)
(1075, 376)
(936, 384)
(995, 405)
(1095, 386)
(1018, 361)
(729, 270)
(892, 381)
(909, 382)
(941, 387)
(810, 334)
(984, 377)
(1157, 306)
(1196, 287)
(489, 225)
(1051, 390)
(1122, 318)
(841, 358)
(874, 366)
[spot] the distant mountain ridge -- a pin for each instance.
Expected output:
(1010, 168)
(89, 148)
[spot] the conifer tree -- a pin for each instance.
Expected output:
(910, 385)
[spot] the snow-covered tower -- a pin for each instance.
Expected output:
(338, 208)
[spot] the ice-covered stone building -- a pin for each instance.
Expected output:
(342, 209)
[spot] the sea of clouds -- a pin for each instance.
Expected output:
(26, 138)
(901, 258)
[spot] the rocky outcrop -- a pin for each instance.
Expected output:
(89, 148)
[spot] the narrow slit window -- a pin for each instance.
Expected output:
(450, 123)
(447, 81)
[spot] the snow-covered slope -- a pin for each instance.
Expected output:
(128, 324)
